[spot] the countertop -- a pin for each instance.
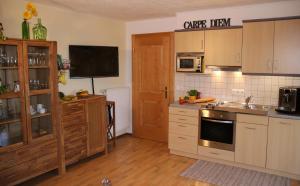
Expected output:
(259, 110)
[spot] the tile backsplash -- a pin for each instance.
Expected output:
(233, 86)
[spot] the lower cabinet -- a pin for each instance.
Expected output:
(251, 139)
(183, 130)
(284, 145)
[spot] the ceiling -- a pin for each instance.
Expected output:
(130, 10)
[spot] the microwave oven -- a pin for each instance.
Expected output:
(189, 62)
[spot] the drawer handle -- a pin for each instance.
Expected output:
(182, 138)
(214, 153)
(250, 128)
(181, 119)
(284, 123)
(181, 126)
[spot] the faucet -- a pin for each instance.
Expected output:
(247, 101)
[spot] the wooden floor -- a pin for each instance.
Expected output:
(134, 162)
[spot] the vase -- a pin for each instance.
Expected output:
(39, 31)
(25, 30)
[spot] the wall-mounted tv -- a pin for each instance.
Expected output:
(93, 61)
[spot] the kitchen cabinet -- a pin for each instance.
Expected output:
(251, 140)
(183, 129)
(287, 47)
(257, 53)
(283, 152)
(223, 47)
(192, 41)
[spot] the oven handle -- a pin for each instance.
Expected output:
(217, 121)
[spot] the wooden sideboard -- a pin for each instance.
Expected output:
(84, 128)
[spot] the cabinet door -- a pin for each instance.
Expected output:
(192, 41)
(223, 47)
(283, 145)
(97, 121)
(287, 47)
(257, 53)
(251, 144)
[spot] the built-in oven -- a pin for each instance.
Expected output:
(217, 129)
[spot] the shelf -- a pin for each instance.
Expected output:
(8, 68)
(37, 67)
(40, 115)
(10, 95)
(9, 121)
(39, 92)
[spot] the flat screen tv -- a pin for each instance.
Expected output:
(93, 61)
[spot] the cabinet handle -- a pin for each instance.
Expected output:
(214, 153)
(202, 47)
(275, 65)
(166, 92)
(250, 128)
(181, 126)
(238, 58)
(284, 123)
(182, 138)
(269, 64)
(181, 119)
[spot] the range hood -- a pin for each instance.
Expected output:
(224, 68)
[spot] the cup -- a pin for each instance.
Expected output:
(39, 107)
(42, 111)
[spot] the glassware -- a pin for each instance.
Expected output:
(39, 31)
(25, 30)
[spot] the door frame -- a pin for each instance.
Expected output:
(171, 75)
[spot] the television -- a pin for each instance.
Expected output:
(93, 61)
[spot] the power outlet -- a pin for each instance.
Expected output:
(238, 92)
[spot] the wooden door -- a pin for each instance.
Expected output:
(283, 145)
(251, 144)
(97, 121)
(287, 47)
(152, 84)
(192, 41)
(223, 47)
(257, 53)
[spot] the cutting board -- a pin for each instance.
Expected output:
(202, 100)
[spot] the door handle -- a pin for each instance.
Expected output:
(166, 92)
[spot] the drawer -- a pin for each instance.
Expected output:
(184, 129)
(71, 108)
(185, 112)
(254, 119)
(71, 132)
(216, 153)
(74, 119)
(183, 143)
(184, 119)
(283, 121)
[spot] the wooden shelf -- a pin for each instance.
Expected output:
(40, 115)
(39, 92)
(10, 95)
(38, 67)
(9, 121)
(8, 68)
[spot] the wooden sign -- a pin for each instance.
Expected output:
(224, 22)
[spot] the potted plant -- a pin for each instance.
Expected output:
(192, 94)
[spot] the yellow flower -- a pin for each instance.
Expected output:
(30, 6)
(27, 15)
(34, 11)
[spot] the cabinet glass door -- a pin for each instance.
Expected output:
(39, 88)
(12, 107)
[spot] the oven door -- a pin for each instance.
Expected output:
(186, 64)
(216, 133)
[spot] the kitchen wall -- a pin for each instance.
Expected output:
(68, 27)
(233, 86)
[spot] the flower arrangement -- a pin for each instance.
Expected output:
(30, 11)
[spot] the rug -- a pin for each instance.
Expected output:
(225, 175)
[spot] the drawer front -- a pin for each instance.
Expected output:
(73, 132)
(184, 129)
(282, 121)
(74, 119)
(71, 108)
(183, 143)
(253, 119)
(185, 112)
(183, 119)
(216, 153)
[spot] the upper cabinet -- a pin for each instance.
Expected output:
(223, 47)
(258, 40)
(271, 47)
(192, 41)
(287, 47)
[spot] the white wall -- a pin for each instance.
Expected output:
(68, 27)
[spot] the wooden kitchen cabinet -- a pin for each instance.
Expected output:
(223, 47)
(283, 145)
(192, 41)
(251, 140)
(287, 47)
(257, 53)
